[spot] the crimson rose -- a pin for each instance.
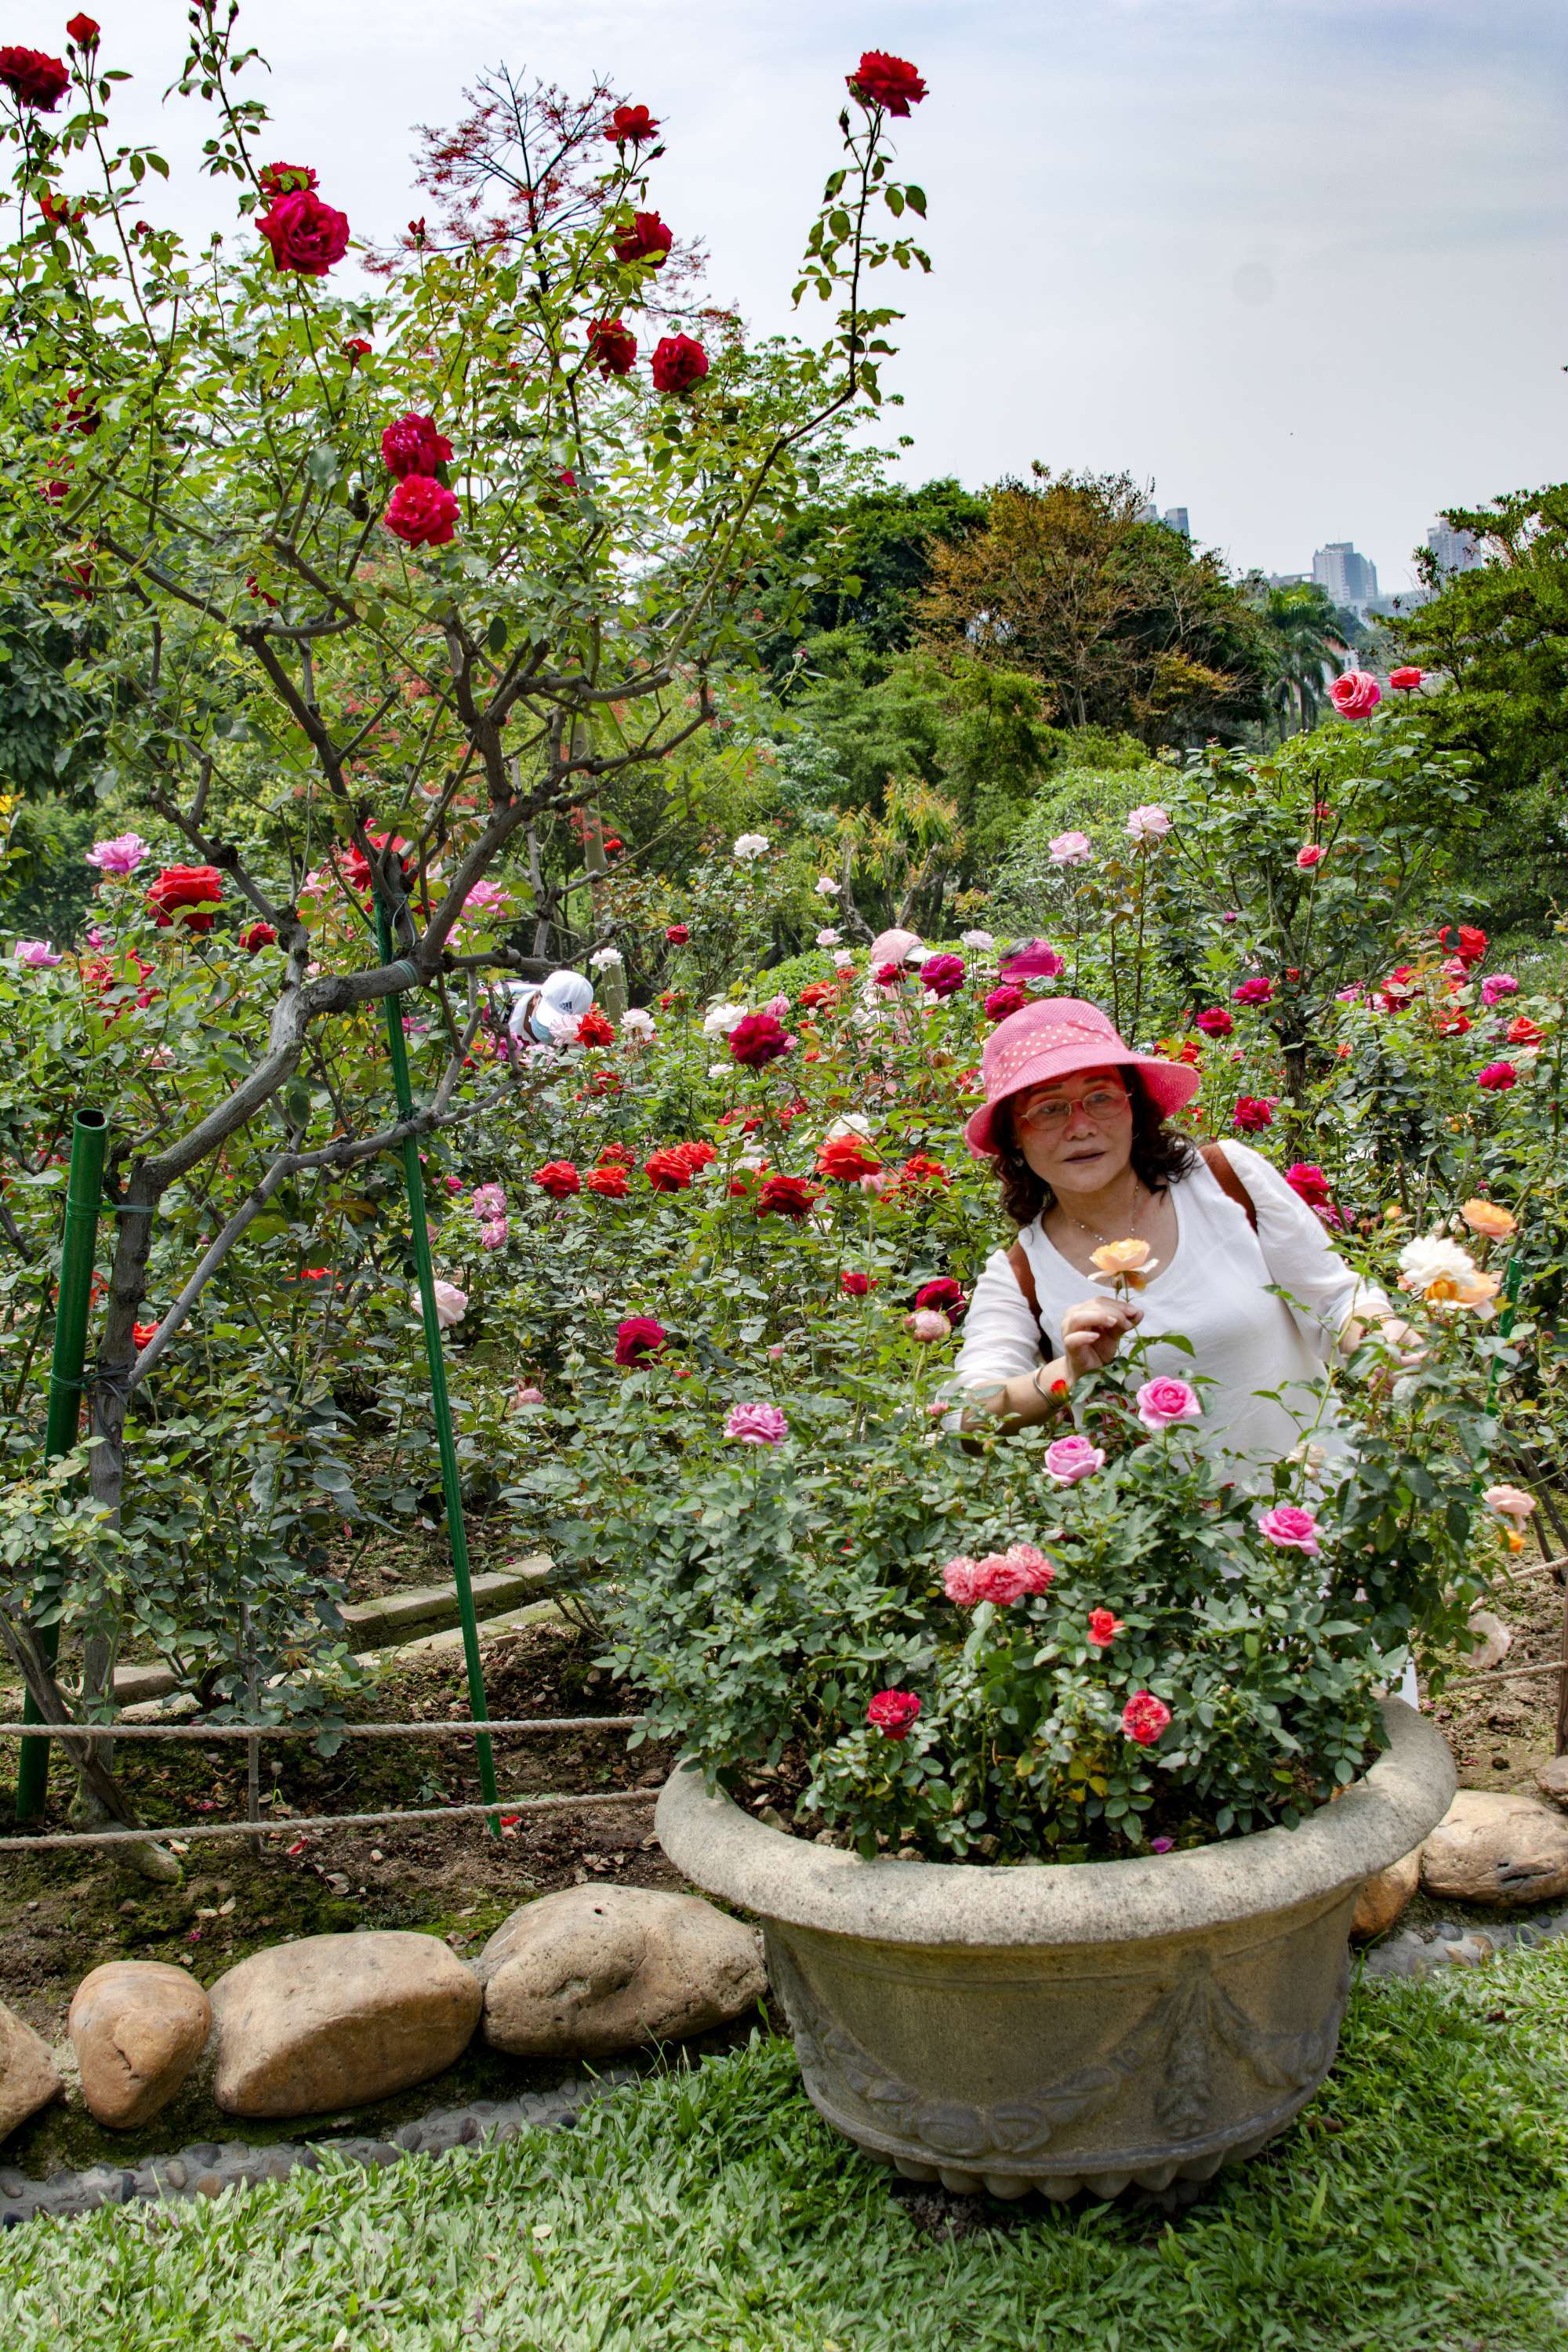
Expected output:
(787, 1196)
(422, 511)
(637, 1337)
(677, 934)
(646, 239)
(282, 179)
(756, 1040)
(83, 30)
(881, 81)
(306, 235)
(677, 364)
(256, 936)
(891, 1713)
(630, 123)
(190, 891)
(1216, 1022)
(1253, 1112)
(612, 347)
(944, 1296)
(1008, 998)
(413, 446)
(943, 974)
(33, 78)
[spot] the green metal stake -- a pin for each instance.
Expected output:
(451, 1483)
(84, 1190)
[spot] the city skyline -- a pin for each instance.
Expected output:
(1305, 262)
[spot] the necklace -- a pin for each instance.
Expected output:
(1132, 1232)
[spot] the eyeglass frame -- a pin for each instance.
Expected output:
(1023, 1120)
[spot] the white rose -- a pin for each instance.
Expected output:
(750, 845)
(826, 887)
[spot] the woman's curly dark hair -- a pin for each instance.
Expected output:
(1161, 1157)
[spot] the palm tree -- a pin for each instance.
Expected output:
(1306, 647)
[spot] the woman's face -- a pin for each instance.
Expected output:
(1077, 1132)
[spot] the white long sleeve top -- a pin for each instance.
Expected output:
(1217, 1290)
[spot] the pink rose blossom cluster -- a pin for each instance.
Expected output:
(756, 1424)
(1002, 1576)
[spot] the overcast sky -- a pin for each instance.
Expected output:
(1300, 263)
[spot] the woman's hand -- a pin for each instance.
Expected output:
(1093, 1331)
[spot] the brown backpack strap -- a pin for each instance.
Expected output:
(1024, 1275)
(1230, 1183)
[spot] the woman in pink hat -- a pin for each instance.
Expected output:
(1078, 1126)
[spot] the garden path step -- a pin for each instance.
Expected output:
(392, 1622)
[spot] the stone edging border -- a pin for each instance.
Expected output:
(209, 2167)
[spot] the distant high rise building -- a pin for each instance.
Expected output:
(1350, 579)
(1454, 550)
(1148, 511)
(1175, 518)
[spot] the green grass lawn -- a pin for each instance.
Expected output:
(1421, 2202)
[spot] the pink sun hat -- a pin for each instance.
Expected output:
(1053, 1038)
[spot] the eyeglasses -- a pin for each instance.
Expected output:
(1102, 1104)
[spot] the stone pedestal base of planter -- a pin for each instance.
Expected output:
(1066, 2027)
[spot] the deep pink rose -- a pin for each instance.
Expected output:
(1290, 1528)
(1311, 855)
(423, 512)
(637, 1337)
(887, 81)
(1008, 998)
(1163, 1403)
(1497, 1077)
(1307, 1179)
(892, 1712)
(758, 1039)
(1253, 991)
(1405, 681)
(943, 974)
(1496, 985)
(1144, 1717)
(412, 446)
(305, 234)
(1356, 694)
(646, 239)
(1254, 1112)
(1215, 1022)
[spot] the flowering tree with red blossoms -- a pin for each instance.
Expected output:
(387, 567)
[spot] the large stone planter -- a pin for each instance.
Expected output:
(1064, 2027)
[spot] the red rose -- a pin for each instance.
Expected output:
(612, 347)
(646, 239)
(191, 891)
(1472, 944)
(1144, 1717)
(944, 1296)
(846, 1159)
(356, 865)
(413, 446)
(677, 364)
(923, 1170)
(633, 123)
(83, 31)
(1405, 681)
(1252, 991)
(1253, 1112)
(677, 934)
(594, 1029)
(892, 83)
(891, 1713)
(257, 935)
(610, 1183)
(58, 212)
(816, 993)
(305, 234)
(637, 1337)
(357, 348)
(888, 975)
(81, 413)
(421, 512)
(668, 1170)
(1008, 998)
(756, 1040)
(558, 1178)
(617, 1155)
(614, 845)
(1104, 1625)
(1307, 1179)
(787, 1196)
(141, 1334)
(33, 78)
(1497, 1077)
(856, 1286)
(698, 1154)
(1522, 1030)
(282, 179)
(56, 491)
(1216, 1022)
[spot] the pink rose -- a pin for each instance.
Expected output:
(1290, 1528)
(1149, 822)
(1071, 849)
(122, 854)
(1144, 1717)
(961, 1580)
(37, 955)
(756, 1424)
(1253, 991)
(1356, 694)
(1406, 681)
(1162, 1403)
(306, 235)
(488, 1201)
(1216, 1022)
(1068, 1459)
(1497, 985)
(1309, 855)
(1033, 1564)
(927, 1325)
(1497, 1077)
(493, 1233)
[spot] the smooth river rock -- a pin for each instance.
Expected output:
(596, 1968)
(138, 2028)
(1382, 1899)
(1552, 1780)
(1493, 1846)
(338, 2020)
(29, 2078)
